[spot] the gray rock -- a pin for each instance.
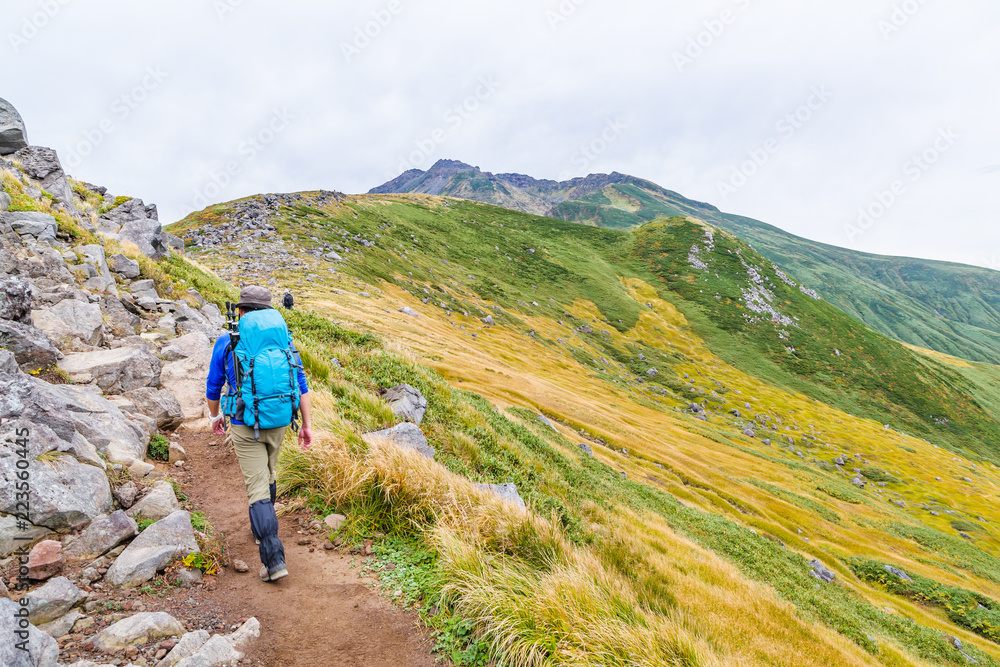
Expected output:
(172, 242)
(43, 651)
(405, 435)
(13, 135)
(586, 448)
(147, 235)
(840, 461)
(15, 299)
(506, 492)
(31, 347)
(101, 536)
(95, 256)
(143, 286)
(159, 503)
(177, 453)
(125, 266)
(858, 481)
(61, 626)
(820, 572)
(186, 647)
(42, 164)
(52, 600)
(83, 411)
(406, 310)
(154, 549)
(488, 320)
(159, 404)
(13, 536)
(5, 201)
(187, 577)
(65, 494)
(126, 493)
(896, 572)
(216, 652)
(406, 402)
(31, 223)
(115, 371)
(141, 628)
(245, 634)
(119, 320)
(545, 420)
(71, 323)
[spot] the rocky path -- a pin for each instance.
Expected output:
(322, 613)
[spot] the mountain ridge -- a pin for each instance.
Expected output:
(938, 305)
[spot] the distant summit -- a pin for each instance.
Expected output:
(579, 199)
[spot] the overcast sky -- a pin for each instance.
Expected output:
(801, 114)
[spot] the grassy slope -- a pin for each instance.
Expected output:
(951, 308)
(622, 286)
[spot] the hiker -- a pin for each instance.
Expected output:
(260, 406)
(287, 302)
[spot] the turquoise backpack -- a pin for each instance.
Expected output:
(267, 391)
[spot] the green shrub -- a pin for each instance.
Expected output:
(159, 448)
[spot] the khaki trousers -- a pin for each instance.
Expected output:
(258, 458)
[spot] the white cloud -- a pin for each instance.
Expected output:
(561, 83)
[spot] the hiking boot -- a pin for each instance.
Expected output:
(280, 572)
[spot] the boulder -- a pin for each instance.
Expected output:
(42, 164)
(141, 628)
(506, 492)
(96, 257)
(147, 235)
(45, 560)
(118, 319)
(216, 652)
(586, 449)
(159, 503)
(406, 310)
(101, 536)
(159, 404)
(82, 410)
(31, 347)
(188, 645)
(15, 299)
(115, 371)
(335, 521)
(125, 266)
(545, 420)
(31, 223)
(71, 323)
(406, 436)
(61, 626)
(16, 389)
(896, 572)
(172, 242)
(245, 634)
(819, 571)
(185, 378)
(154, 549)
(126, 493)
(13, 135)
(52, 600)
(176, 454)
(65, 494)
(13, 535)
(406, 402)
(43, 651)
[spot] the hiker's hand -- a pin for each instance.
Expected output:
(219, 426)
(305, 437)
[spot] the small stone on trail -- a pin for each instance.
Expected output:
(240, 566)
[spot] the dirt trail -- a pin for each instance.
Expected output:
(322, 614)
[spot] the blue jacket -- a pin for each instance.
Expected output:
(221, 371)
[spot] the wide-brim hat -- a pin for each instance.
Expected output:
(254, 296)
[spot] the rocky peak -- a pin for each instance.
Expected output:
(13, 135)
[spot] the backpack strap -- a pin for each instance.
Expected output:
(256, 401)
(292, 385)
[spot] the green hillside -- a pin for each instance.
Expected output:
(813, 437)
(947, 307)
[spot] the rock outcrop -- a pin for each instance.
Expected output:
(13, 135)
